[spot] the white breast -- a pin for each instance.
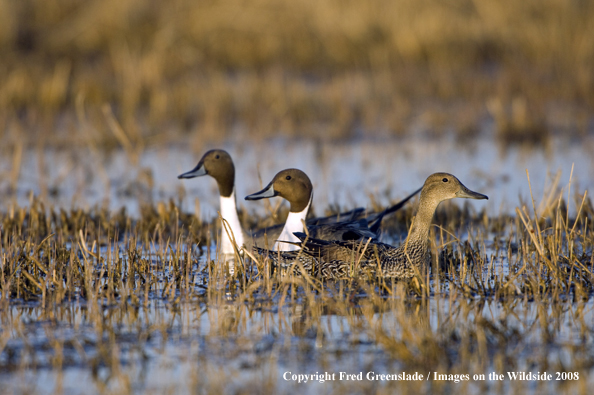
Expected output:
(229, 213)
(294, 224)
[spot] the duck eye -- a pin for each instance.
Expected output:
(445, 179)
(288, 178)
(217, 156)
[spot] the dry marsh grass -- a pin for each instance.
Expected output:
(107, 296)
(231, 69)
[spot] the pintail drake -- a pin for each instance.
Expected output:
(351, 225)
(218, 164)
(337, 259)
(295, 186)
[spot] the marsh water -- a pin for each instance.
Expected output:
(343, 173)
(278, 339)
(165, 350)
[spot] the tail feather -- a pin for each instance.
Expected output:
(375, 223)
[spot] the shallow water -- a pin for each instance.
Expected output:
(189, 350)
(346, 174)
(258, 344)
(268, 343)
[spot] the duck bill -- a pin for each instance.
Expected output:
(198, 171)
(468, 194)
(267, 192)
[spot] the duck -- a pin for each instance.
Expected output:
(335, 259)
(218, 164)
(295, 186)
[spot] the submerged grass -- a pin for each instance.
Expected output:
(109, 297)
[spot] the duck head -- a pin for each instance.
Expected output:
(218, 164)
(444, 186)
(291, 184)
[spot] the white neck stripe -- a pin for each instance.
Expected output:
(294, 224)
(229, 213)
